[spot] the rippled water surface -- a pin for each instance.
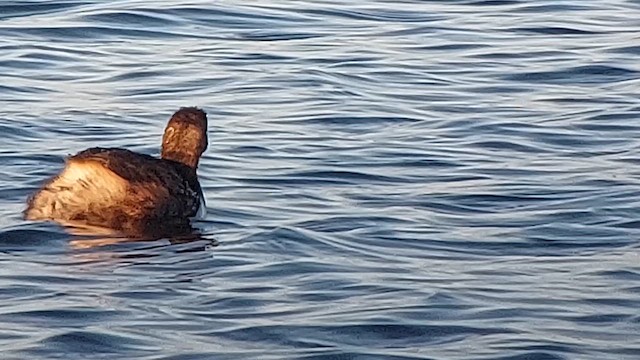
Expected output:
(385, 179)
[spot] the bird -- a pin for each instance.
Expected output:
(132, 193)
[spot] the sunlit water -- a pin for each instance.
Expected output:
(385, 179)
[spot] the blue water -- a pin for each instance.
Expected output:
(385, 179)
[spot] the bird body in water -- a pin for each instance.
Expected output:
(134, 193)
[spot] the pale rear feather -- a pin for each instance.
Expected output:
(82, 186)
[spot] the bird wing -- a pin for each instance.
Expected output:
(159, 183)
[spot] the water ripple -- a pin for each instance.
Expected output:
(385, 180)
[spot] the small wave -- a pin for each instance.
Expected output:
(25, 9)
(550, 30)
(590, 74)
(90, 343)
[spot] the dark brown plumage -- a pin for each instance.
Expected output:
(130, 192)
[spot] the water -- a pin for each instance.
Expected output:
(384, 180)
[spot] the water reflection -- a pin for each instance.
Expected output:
(80, 236)
(114, 248)
(88, 237)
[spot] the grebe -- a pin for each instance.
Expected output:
(130, 192)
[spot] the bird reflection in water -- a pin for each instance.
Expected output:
(90, 237)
